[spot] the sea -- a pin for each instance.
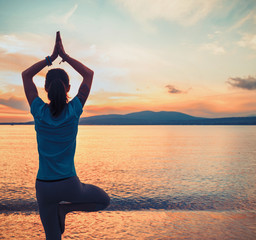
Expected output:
(165, 182)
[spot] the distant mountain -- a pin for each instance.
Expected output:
(158, 118)
(163, 118)
(138, 118)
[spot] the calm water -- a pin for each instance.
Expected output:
(165, 182)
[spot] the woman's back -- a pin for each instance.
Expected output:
(56, 138)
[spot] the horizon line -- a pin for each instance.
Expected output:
(32, 121)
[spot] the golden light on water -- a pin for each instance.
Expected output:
(164, 182)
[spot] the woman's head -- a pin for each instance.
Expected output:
(57, 87)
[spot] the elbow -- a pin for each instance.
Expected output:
(92, 74)
(89, 76)
(25, 75)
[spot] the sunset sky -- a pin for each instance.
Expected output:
(193, 56)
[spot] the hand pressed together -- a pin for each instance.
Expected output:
(58, 48)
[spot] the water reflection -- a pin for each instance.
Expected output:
(142, 167)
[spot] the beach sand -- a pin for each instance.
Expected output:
(137, 225)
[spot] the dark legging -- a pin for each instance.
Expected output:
(78, 197)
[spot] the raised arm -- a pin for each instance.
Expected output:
(84, 71)
(27, 75)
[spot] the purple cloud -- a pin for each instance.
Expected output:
(244, 83)
(172, 89)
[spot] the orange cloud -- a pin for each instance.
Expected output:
(223, 105)
(17, 62)
(14, 102)
(8, 114)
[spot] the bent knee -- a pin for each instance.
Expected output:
(99, 195)
(107, 200)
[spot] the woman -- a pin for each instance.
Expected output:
(58, 189)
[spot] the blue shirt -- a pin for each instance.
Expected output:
(56, 139)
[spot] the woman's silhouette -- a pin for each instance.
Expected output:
(58, 189)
